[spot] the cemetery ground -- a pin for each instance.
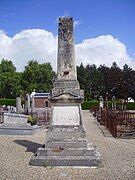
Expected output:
(117, 155)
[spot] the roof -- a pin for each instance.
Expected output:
(41, 94)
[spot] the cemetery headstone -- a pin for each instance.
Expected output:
(27, 104)
(18, 105)
(101, 102)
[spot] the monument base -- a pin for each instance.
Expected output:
(10, 129)
(65, 161)
(66, 146)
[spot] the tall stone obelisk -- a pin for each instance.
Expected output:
(66, 137)
(66, 95)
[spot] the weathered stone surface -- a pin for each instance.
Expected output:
(68, 84)
(66, 138)
(71, 115)
(66, 87)
(41, 152)
(69, 133)
(66, 53)
(19, 130)
(65, 161)
(16, 124)
(18, 119)
(66, 144)
(65, 152)
(18, 105)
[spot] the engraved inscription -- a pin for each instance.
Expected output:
(69, 117)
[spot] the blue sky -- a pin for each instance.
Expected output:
(93, 18)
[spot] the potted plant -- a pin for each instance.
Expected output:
(29, 119)
(34, 121)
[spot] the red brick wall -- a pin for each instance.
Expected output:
(40, 102)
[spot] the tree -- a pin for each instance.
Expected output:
(93, 87)
(46, 77)
(9, 79)
(81, 75)
(37, 76)
(104, 81)
(89, 79)
(126, 68)
(112, 79)
(128, 82)
(115, 76)
(7, 66)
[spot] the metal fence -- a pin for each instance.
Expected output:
(42, 115)
(119, 123)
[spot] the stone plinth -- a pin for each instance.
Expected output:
(66, 138)
(66, 146)
(16, 124)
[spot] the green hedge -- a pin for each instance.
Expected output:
(131, 106)
(86, 105)
(11, 102)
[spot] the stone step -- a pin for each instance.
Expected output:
(65, 134)
(66, 152)
(65, 161)
(66, 144)
(20, 130)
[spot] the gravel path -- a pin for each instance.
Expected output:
(118, 157)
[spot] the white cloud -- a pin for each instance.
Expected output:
(76, 23)
(104, 49)
(42, 45)
(29, 44)
(65, 14)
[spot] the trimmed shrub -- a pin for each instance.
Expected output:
(11, 102)
(131, 106)
(87, 105)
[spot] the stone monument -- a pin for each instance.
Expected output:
(66, 137)
(27, 104)
(18, 105)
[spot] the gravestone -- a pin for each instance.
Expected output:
(32, 104)
(27, 104)
(18, 105)
(66, 143)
